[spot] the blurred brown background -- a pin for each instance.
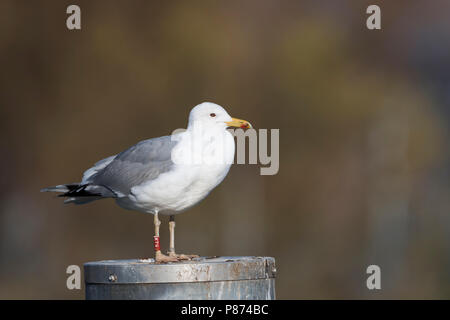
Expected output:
(364, 127)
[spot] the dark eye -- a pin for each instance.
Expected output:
(212, 114)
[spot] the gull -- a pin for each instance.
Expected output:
(165, 175)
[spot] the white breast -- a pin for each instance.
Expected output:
(193, 176)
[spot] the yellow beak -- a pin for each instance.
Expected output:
(238, 123)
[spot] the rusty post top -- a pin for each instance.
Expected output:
(197, 270)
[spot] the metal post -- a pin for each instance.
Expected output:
(215, 278)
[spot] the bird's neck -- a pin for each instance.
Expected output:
(206, 131)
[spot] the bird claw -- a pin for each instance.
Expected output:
(162, 258)
(180, 256)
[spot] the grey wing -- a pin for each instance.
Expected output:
(100, 165)
(142, 162)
